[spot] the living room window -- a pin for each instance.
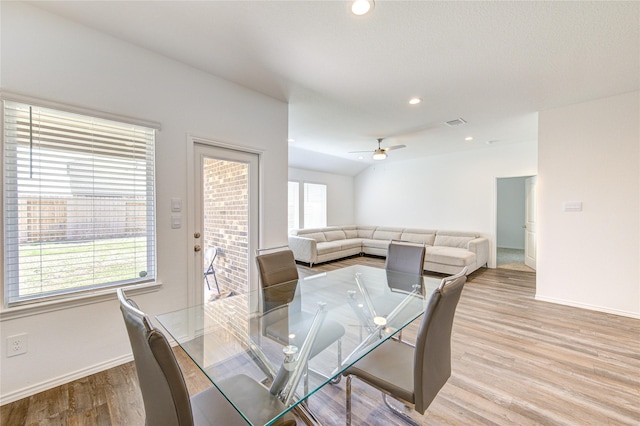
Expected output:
(312, 212)
(294, 205)
(79, 203)
(315, 205)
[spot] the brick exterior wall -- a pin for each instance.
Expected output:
(226, 221)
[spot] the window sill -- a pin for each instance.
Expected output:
(38, 308)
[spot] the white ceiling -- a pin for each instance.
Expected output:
(348, 79)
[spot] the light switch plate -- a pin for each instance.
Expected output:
(176, 204)
(572, 206)
(176, 222)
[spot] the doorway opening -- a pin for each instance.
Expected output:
(226, 217)
(516, 221)
(226, 227)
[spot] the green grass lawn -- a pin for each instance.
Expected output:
(51, 267)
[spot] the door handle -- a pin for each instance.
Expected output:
(197, 248)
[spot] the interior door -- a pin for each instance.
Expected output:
(226, 191)
(530, 245)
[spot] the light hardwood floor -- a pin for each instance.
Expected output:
(516, 361)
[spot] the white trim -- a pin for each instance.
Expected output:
(588, 306)
(194, 296)
(79, 110)
(226, 145)
(72, 301)
(65, 378)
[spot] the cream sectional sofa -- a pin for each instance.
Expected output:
(447, 252)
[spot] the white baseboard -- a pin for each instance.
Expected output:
(61, 380)
(635, 315)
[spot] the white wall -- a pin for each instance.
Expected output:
(454, 191)
(50, 58)
(340, 196)
(590, 152)
(511, 212)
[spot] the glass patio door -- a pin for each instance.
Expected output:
(226, 209)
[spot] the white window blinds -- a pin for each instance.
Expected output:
(294, 205)
(315, 205)
(79, 203)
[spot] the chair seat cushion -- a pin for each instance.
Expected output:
(210, 407)
(388, 367)
(257, 403)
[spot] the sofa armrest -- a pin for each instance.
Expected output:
(480, 246)
(303, 248)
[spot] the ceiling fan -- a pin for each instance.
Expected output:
(380, 153)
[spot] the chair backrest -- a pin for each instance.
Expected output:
(209, 256)
(279, 282)
(277, 267)
(432, 362)
(164, 391)
(405, 257)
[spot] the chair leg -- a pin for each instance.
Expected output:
(206, 279)
(404, 416)
(348, 400)
(215, 278)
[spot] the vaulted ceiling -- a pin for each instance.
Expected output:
(348, 79)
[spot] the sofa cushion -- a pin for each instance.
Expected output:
(318, 236)
(449, 256)
(351, 243)
(387, 233)
(333, 235)
(380, 244)
(366, 231)
(350, 231)
(459, 241)
(328, 247)
(419, 236)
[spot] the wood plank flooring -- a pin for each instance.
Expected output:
(516, 361)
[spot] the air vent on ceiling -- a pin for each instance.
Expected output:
(456, 122)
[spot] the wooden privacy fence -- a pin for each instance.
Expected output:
(80, 218)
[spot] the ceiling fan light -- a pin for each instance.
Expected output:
(361, 7)
(379, 154)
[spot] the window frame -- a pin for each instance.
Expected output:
(301, 195)
(10, 309)
(297, 204)
(304, 202)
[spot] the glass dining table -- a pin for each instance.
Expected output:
(299, 336)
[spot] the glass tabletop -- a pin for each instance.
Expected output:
(297, 336)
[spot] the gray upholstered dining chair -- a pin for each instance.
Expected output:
(404, 256)
(164, 391)
(283, 314)
(414, 375)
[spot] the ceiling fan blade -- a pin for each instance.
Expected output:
(390, 148)
(358, 152)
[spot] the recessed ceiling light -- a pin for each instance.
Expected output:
(361, 7)
(468, 138)
(361, 158)
(291, 140)
(415, 101)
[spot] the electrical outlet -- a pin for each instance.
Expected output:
(17, 345)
